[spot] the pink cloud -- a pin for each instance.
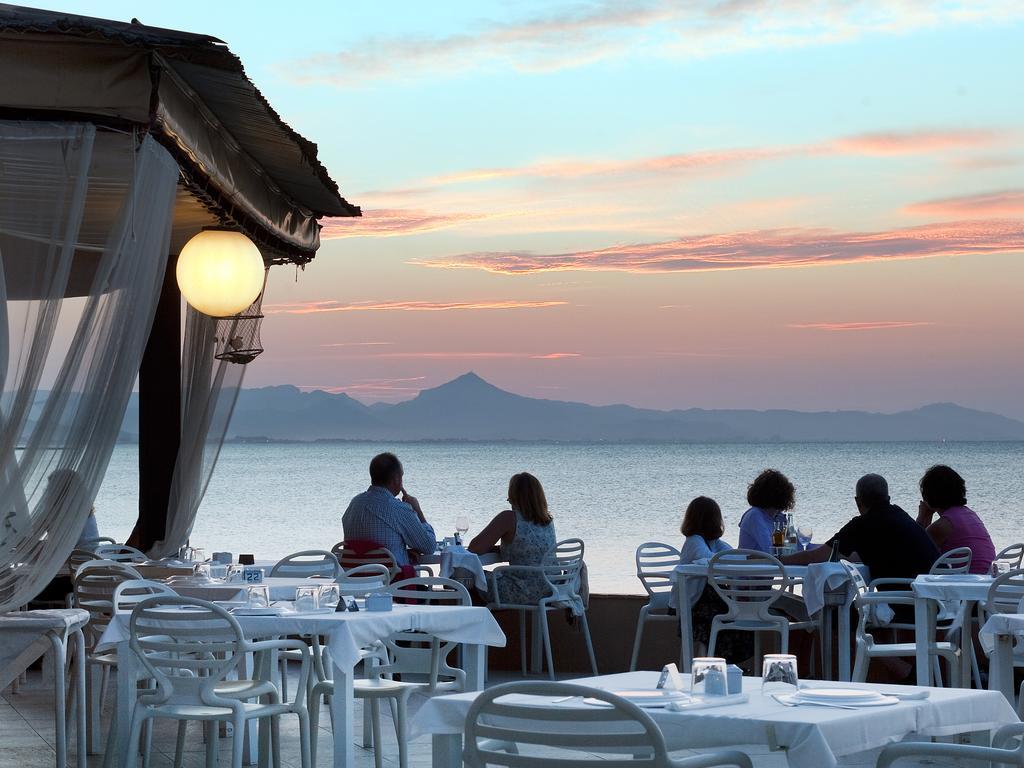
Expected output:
(913, 142)
(483, 355)
(1009, 202)
(759, 250)
(316, 307)
(359, 344)
(877, 325)
(391, 222)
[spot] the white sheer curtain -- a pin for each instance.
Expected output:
(85, 223)
(209, 391)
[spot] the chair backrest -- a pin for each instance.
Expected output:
(78, 557)
(562, 566)
(349, 558)
(955, 561)
(364, 579)
(570, 735)
(132, 592)
(93, 588)
(1013, 554)
(98, 541)
(748, 581)
(122, 553)
(1006, 593)
(309, 562)
(655, 563)
(419, 653)
(188, 652)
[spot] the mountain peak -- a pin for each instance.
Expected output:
(467, 382)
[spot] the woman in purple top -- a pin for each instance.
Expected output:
(944, 493)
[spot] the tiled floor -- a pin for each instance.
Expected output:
(26, 740)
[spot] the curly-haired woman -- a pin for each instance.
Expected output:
(769, 496)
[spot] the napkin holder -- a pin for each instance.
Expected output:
(670, 679)
(378, 603)
(222, 558)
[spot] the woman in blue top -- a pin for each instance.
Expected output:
(703, 528)
(769, 496)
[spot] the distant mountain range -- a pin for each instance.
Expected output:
(469, 408)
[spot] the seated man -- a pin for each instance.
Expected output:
(376, 515)
(885, 538)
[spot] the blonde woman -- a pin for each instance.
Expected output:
(526, 532)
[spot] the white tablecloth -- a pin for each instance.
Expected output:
(460, 557)
(818, 579)
(348, 632)
(1002, 624)
(811, 736)
(23, 636)
(953, 588)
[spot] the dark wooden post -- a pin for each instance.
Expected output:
(159, 414)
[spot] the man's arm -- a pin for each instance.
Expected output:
(817, 555)
(417, 533)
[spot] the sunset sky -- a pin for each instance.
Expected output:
(743, 203)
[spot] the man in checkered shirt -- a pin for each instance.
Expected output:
(376, 515)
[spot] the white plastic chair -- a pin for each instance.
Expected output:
(560, 574)
(190, 654)
(93, 587)
(955, 561)
(867, 601)
(1013, 554)
(120, 553)
(129, 594)
(1003, 751)
(409, 654)
(750, 584)
(364, 579)
(655, 563)
(306, 564)
(618, 735)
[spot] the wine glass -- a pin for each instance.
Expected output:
(804, 534)
(461, 525)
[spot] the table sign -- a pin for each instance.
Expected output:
(252, 575)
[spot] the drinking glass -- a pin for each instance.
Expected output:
(708, 676)
(259, 596)
(804, 534)
(779, 674)
(199, 554)
(187, 554)
(235, 573)
(306, 599)
(201, 571)
(330, 595)
(462, 524)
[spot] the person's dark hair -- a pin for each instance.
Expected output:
(703, 517)
(771, 490)
(526, 495)
(383, 468)
(873, 491)
(942, 488)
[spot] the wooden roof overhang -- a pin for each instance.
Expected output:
(241, 164)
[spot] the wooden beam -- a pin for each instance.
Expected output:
(159, 414)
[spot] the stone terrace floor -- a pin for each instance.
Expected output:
(26, 739)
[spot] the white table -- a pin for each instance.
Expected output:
(959, 587)
(998, 637)
(810, 736)
(825, 586)
(346, 633)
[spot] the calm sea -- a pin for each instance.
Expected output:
(275, 499)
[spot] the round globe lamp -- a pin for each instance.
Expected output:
(220, 272)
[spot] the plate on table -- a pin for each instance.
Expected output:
(940, 577)
(651, 699)
(842, 697)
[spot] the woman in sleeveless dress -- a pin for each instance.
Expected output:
(944, 514)
(526, 532)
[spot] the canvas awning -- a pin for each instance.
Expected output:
(241, 164)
